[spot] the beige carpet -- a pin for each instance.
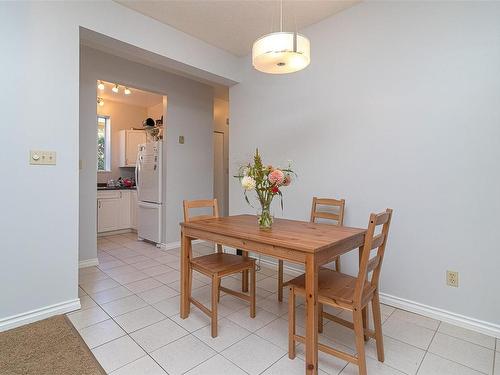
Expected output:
(48, 347)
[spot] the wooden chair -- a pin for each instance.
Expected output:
(216, 266)
(338, 217)
(350, 293)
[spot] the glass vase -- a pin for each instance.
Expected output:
(265, 219)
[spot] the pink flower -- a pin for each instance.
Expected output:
(276, 177)
(288, 180)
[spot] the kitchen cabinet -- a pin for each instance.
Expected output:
(129, 140)
(113, 210)
(133, 209)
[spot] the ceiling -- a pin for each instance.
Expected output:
(137, 97)
(234, 25)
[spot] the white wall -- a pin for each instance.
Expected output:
(399, 108)
(155, 111)
(221, 115)
(188, 168)
(40, 68)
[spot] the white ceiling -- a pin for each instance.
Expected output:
(137, 97)
(233, 25)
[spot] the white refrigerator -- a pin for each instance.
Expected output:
(148, 177)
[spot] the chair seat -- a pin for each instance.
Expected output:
(334, 285)
(222, 263)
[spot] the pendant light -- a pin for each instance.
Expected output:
(115, 89)
(281, 52)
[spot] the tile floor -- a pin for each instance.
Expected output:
(130, 320)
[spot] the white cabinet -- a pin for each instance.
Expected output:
(113, 210)
(133, 209)
(129, 140)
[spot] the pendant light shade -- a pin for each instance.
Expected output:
(281, 52)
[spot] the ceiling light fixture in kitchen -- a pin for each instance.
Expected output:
(100, 101)
(115, 89)
(127, 91)
(100, 85)
(281, 52)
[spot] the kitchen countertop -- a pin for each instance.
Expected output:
(115, 188)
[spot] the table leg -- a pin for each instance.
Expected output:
(244, 275)
(311, 315)
(185, 257)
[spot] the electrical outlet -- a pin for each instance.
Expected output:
(452, 278)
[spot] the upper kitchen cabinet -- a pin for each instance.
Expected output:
(129, 140)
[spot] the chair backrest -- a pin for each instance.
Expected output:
(338, 216)
(376, 242)
(202, 203)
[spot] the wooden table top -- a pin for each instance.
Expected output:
(291, 234)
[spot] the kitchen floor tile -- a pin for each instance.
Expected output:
(182, 355)
(405, 331)
(101, 333)
(228, 334)
(433, 365)
(216, 365)
(109, 295)
(137, 319)
(169, 306)
(243, 319)
(157, 294)
(130, 277)
(194, 321)
(117, 353)
(85, 318)
(123, 305)
(467, 335)
(373, 367)
(287, 366)
(419, 320)
(143, 285)
(143, 366)
(157, 270)
(169, 277)
(86, 302)
(471, 355)
(91, 287)
(159, 334)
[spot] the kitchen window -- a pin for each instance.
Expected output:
(103, 144)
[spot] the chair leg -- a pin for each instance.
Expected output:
(252, 292)
(337, 264)
(377, 322)
(280, 280)
(219, 248)
(244, 275)
(190, 282)
(215, 289)
(291, 323)
(218, 291)
(360, 340)
(320, 317)
(365, 320)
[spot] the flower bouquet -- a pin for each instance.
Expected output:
(267, 181)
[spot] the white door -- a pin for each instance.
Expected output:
(219, 172)
(108, 211)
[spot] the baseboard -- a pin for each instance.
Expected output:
(115, 232)
(38, 314)
(88, 263)
(176, 244)
(473, 324)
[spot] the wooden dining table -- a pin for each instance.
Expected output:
(310, 244)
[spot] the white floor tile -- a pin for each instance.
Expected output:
(182, 355)
(253, 354)
(272, 305)
(112, 294)
(136, 259)
(243, 319)
(340, 334)
(138, 319)
(86, 302)
(117, 353)
(85, 318)
(169, 277)
(92, 287)
(269, 283)
(216, 365)
(142, 366)
(229, 333)
(463, 352)
(277, 333)
(120, 270)
(194, 321)
(81, 292)
(287, 366)
(194, 285)
(169, 306)
(146, 264)
(419, 320)
(326, 362)
(373, 367)
(467, 335)
(106, 264)
(159, 334)
(143, 285)
(130, 277)
(123, 305)
(157, 270)
(157, 294)
(101, 333)
(401, 356)
(405, 331)
(433, 365)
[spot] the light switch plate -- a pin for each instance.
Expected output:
(39, 157)
(181, 139)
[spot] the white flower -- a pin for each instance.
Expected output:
(248, 183)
